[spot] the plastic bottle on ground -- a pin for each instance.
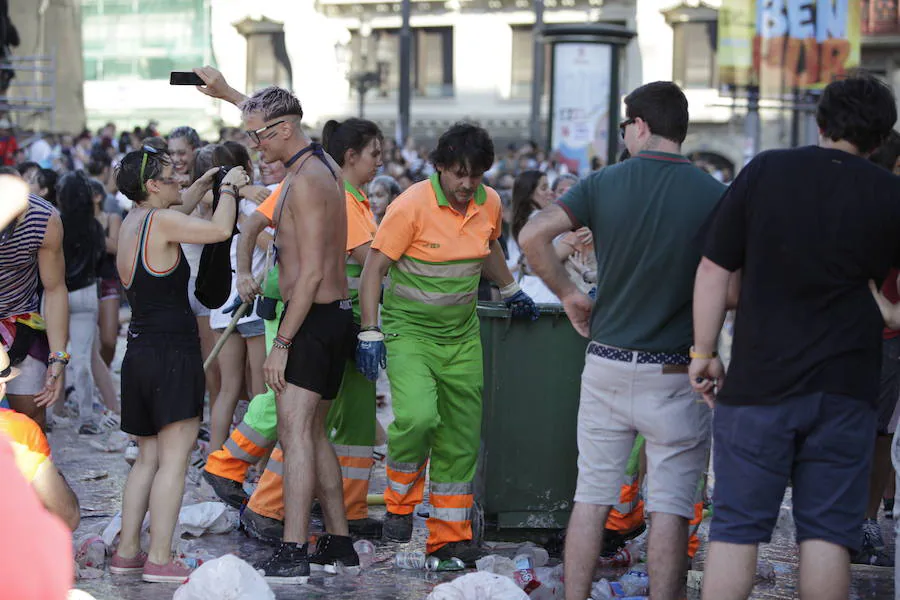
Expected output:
(409, 560)
(524, 575)
(366, 551)
(540, 556)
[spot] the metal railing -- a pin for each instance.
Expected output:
(32, 91)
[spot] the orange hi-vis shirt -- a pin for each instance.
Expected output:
(361, 229)
(438, 254)
(271, 203)
(28, 442)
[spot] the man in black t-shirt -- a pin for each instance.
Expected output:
(807, 228)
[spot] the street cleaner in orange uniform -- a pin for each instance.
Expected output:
(435, 242)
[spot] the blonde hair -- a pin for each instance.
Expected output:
(272, 102)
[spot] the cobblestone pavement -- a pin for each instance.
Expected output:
(98, 479)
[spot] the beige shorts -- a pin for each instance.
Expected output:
(621, 399)
(31, 379)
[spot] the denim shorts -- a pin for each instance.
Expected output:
(249, 329)
(821, 443)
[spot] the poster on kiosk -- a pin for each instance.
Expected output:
(581, 104)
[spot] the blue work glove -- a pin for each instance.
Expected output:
(234, 306)
(370, 353)
(521, 305)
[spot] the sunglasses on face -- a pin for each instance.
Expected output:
(253, 134)
(148, 150)
(624, 125)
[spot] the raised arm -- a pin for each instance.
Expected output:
(192, 195)
(178, 227)
(217, 87)
(52, 270)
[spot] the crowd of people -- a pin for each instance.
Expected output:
(293, 271)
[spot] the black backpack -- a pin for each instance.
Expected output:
(214, 273)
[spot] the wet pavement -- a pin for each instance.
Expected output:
(98, 479)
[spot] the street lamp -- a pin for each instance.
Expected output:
(362, 78)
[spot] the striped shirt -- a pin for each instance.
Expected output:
(19, 263)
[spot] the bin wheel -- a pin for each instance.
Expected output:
(477, 523)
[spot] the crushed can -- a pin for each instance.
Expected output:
(451, 564)
(524, 575)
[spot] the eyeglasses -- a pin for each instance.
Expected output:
(624, 125)
(253, 134)
(147, 150)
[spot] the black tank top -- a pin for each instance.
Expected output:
(159, 300)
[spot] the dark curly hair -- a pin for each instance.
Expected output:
(464, 145)
(859, 109)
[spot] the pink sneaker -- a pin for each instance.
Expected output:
(124, 566)
(174, 572)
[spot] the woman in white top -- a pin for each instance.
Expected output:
(530, 194)
(244, 352)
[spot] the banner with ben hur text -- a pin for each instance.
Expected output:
(780, 45)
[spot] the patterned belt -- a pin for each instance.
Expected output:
(643, 358)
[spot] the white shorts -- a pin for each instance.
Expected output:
(31, 379)
(621, 399)
(198, 309)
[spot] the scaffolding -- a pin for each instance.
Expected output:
(30, 99)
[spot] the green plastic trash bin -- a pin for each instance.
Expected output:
(532, 377)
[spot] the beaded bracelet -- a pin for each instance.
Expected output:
(59, 357)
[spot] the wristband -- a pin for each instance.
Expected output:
(225, 190)
(370, 336)
(282, 341)
(702, 356)
(370, 328)
(59, 357)
(510, 290)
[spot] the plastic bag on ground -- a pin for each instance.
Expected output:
(476, 586)
(90, 551)
(498, 565)
(207, 517)
(225, 578)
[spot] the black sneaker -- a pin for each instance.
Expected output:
(265, 529)
(397, 528)
(335, 554)
(289, 564)
(228, 490)
(613, 541)
(366, 528)
(465, 551)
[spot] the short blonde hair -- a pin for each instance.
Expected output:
(272, 102)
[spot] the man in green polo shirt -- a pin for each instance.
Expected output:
(645, 214)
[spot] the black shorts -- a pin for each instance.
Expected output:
(889, 391)
(320, 348)
(822, 443)
(162, 382)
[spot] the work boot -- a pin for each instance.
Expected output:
(366, 528)
(265, 529)
(466, 551)
(335, 554)
(289, 564)
(228, 490)
(397, 528)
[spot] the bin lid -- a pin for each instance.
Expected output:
(498, 310)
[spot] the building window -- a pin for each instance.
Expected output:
(880, 17)
(431, 68)
(694, 58)
(143, 39)
(522, 61)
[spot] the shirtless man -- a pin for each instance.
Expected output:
(315, 336)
